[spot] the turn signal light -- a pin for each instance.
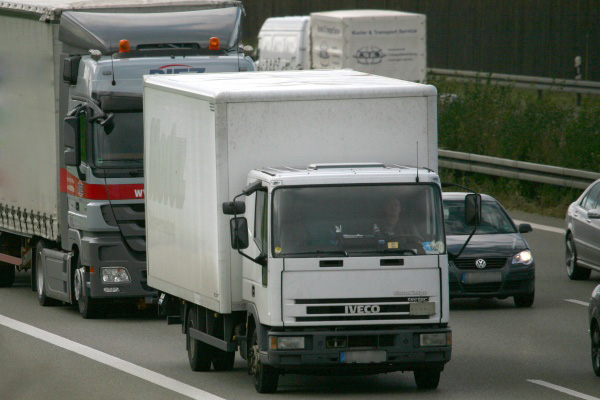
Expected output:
(214, 43)
(124, 46)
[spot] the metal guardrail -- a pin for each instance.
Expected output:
(521, 81)
(527, 171)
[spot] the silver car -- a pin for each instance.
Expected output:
(582, 234)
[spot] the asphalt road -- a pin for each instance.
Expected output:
(499, 351)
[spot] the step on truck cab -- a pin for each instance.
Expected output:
(294, 224)
(74, 212)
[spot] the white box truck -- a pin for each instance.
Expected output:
(71, 170)
(339, 263)
(381, 42)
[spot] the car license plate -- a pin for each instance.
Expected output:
(425, 308)
(481, 277)
(363, 357)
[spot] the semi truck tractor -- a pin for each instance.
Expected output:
(300, 221)
(71, 134)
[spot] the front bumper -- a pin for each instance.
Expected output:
(401, 347)
(516, 280)
(108, 252)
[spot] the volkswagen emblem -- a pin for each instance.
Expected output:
(480, 263)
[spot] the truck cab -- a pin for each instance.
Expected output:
(102, 178)
(345, 269)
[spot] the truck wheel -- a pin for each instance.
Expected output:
(223, 360)
(88, 308)
(428, 378)
(199, 353)
(575, 272)
(266, 378)
(525, 300)
(7, 274)
(44, 300)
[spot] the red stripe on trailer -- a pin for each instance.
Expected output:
(72, 185)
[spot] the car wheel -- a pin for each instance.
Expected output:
(596, 349)
(427, 378)
(199, 353)
(266, 378)
(525, 300)
(574, 271)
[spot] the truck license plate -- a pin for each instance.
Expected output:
(425, 308)
(481, 277)
(363, 357)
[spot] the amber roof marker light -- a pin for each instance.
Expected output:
(124, 46)
(214, 43)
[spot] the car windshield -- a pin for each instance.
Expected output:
(334, 221)
(124, 146)
(493, 219)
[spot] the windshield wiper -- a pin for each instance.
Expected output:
(390, 251)
(319, 252)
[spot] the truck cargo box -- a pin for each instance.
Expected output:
(205, 133)
(381, 42)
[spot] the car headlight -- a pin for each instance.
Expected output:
(287, 342)
(524, 257)
(114, 275)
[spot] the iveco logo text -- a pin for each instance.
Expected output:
(176, 69)
(480, 263)
(370, 309)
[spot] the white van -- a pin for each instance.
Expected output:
(283, 44)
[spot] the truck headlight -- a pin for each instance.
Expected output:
(114, 275)
(435, 339)
(524, 257)
(287, 342)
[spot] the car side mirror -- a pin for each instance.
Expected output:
(239, 233)
(594, 214)
(525, 228)
(234, 207)
(71, 141)
(473, 209)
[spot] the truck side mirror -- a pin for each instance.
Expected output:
(239, 233)
(473, 209)
(234, 207)
(71, 69)
(71, 141)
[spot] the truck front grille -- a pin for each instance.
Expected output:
(357, 309)
(131, 220)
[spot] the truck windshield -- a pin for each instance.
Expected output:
(334, 221)
(124, 146)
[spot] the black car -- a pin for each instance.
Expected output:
(594, 313)
(497, 262)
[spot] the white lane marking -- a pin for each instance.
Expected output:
(563, 390)
(581, 303)
(107, 359)
(542, 227)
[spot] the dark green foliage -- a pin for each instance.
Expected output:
(504, 122)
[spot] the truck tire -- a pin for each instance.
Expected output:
(427, 378)
(88, 308)
(223, 360)
(199, 353)
(44, 300)
(266, 378)
(575, 272)
(7, 275)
